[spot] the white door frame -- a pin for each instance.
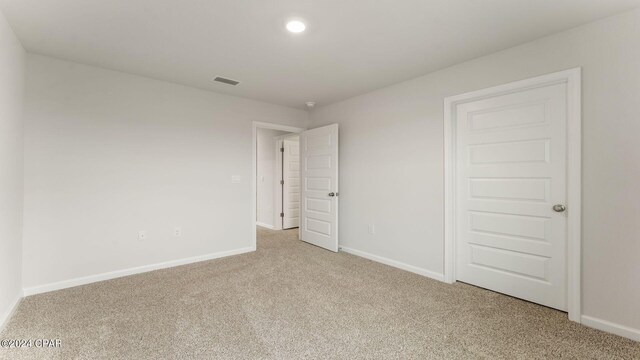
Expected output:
(254, 171)
(277, 187)
(572, 78)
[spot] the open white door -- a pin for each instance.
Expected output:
(290, 183)
(319, 187)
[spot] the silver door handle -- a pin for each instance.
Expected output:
(331, 194)
(559, 208)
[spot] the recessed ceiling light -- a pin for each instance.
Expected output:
(296, 26)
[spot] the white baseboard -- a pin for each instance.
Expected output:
(613, 328)
(9, 313)
(131, 271)
(617, 329)
(394, 263)
(264, 225)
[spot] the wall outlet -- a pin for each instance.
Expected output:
(372, 229)
(177, 231)
(236, 179)
(142, 235)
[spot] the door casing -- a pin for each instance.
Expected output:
(572, 78)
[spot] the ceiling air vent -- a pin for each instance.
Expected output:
(226, 81)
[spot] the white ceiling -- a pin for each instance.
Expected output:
(350, 46)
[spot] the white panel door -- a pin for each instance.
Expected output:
(511, 170)
(319, 184)
(291, 183)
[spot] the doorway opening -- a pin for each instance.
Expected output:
(275, 180)
(304, 198)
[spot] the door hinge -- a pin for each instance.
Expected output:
(281, 214)
(281, 182)
(282, 149)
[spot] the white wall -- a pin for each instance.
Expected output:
(391, 157)
(266, 162)
(108, 154)
(12, 57)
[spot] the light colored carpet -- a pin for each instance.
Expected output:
(291, 300)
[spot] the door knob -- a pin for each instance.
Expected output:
(331, 194)
(559, 208)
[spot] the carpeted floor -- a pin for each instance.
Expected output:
(291, 300)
